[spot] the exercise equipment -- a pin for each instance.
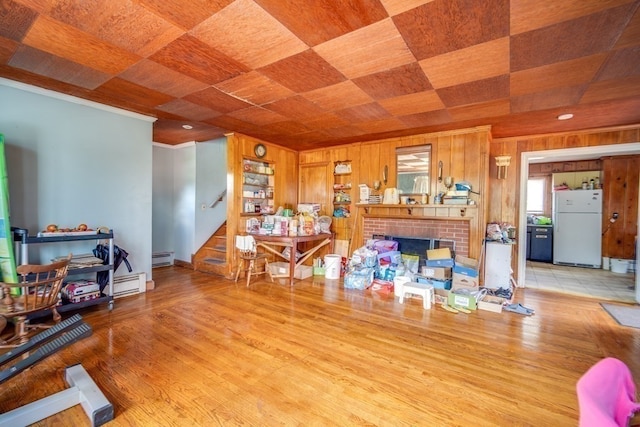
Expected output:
(82, 390)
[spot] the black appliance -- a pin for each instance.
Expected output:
(540, 243)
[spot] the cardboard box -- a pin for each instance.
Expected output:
(466, 266)
(279, 268)
(440, 273)
(463, 300)
(460, 281)
(437, 284)
(491, 303)
(303, 272)
(439, 258)
(282, 269)
(445, 262)
(441, 296)
(442, 253)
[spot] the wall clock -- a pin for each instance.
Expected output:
(260, 150)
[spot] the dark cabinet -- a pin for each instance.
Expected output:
(540, 239)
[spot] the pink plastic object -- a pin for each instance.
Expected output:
(606, 395)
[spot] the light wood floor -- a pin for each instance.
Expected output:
(201, 351)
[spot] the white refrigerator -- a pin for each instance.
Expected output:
(577, 228)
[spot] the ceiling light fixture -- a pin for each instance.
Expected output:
(187, 127)
(566, 116)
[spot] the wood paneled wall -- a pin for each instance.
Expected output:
(464, 154)
(504, 202)
(285, 162)
(621, 179)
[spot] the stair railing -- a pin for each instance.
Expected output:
(218, 199)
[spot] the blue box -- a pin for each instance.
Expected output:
(437, 284)
(444, 262)
(466, 266)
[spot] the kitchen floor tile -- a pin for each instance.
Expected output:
(602, 284)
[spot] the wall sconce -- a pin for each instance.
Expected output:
(502, 162)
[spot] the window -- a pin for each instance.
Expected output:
(413, 166)
(536, 195)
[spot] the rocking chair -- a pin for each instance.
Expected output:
(38, 291)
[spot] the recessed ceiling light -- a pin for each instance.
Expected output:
(565, 116)
(187, 127)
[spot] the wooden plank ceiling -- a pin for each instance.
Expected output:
(306, 74)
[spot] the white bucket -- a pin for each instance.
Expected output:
(398, 284)
(619, 265)
(332, 264)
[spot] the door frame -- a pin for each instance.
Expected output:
(559, 155)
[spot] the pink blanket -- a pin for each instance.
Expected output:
(606, 395)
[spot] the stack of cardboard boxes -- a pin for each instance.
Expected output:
(437, 269)
(465, 283)
(456, 281)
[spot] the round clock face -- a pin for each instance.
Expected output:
(260, 150)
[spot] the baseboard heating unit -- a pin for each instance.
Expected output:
(161, 259)
(130, 284)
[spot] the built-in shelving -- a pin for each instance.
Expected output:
(342, 186)
(257, 187)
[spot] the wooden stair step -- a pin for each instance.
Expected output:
(214, 261)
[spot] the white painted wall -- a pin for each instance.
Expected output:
(187, 179)
(211, 181)
(163, 199)
(71, 161)
(184, 193)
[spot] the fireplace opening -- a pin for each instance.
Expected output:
(419, 245)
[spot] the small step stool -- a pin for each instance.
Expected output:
(421, 289)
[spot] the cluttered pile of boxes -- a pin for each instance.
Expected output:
(455, 279)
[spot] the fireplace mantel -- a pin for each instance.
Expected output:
(454, 212)
(431, 215)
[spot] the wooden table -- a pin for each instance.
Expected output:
(276, 244)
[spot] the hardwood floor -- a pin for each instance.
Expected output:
(203, 351)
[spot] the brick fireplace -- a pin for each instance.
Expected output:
(420, 227)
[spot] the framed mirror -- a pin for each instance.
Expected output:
(413, 166)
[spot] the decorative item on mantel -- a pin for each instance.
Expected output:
(365, 192)
(391, 196)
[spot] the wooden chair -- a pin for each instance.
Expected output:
(38, 291)
(248, 255)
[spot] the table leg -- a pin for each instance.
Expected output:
(292, 262)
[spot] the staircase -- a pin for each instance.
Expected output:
(211, 257)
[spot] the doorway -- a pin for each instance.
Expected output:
(560, 155)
